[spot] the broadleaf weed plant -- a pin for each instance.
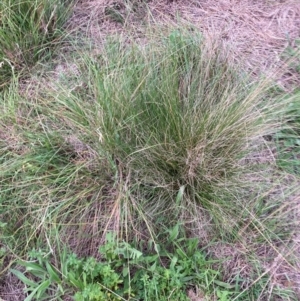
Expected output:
(123, 273)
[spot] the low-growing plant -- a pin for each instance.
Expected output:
(125, 273)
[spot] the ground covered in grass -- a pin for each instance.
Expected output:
(149, 150)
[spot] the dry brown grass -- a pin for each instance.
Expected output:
(256, 32)
(11, 289)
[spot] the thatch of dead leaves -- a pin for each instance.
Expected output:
(256, 32)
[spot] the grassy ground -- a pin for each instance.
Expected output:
(147, 166)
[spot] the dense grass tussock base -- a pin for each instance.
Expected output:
(146, 137)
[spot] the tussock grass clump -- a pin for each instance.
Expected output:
(174, 120)
(169, 123)
(29, 32)
(145, 138)
(163, 126)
